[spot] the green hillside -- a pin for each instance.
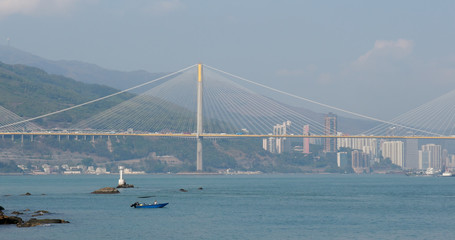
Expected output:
(30, 92)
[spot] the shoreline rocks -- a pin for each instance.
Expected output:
(35, 222)
(106, 190)
(9, 219)
(32, 222)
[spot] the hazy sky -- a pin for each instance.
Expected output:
(379, 58)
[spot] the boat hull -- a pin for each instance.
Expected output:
(159, 205)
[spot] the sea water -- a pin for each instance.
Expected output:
(276, 206)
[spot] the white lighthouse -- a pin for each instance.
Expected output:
(121, 181)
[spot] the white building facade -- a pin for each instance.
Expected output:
(394, 150)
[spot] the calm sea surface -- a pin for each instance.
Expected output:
(236, 207)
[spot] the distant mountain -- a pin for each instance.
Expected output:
(80, 71)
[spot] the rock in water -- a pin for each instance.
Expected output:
(10, 220)
(106, 190)
(40, 213)
(125, 186)
(35, 222)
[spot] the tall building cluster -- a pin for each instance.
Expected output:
(359, 161)
(278, 144)
(363, 151)
(367, 145)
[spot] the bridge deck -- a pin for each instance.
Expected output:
(214, 135)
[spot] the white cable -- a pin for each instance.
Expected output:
(95, 100)
(321, 104)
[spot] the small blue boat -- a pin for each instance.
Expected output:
(146, 205)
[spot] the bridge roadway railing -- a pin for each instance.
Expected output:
(210, 135)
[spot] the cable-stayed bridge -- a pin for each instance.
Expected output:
(201, 101)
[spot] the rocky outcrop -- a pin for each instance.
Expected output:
(35, 222)
(32, 222)
(40, 213)
(106, 190)
(125, 186)
(9, 219)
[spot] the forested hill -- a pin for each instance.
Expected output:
(30, 92)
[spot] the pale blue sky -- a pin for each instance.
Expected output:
(378, 58)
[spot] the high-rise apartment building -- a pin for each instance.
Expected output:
(450, 162)
(360, 161)
(411, 154)
(431, 157)
(278, 144)
(367, 145)
(394, 150)
(330, 130)
(342, 160)
(306, 141)
(424, 159)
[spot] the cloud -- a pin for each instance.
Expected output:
(298, 72)
(439, 71)
(163, 7)
(290, 73)
(387, 49)
(35, 7)
(325, 78)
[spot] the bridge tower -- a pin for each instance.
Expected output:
(199, 119)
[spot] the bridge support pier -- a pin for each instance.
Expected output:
(199, 167)
(199, 154)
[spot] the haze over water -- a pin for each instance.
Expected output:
(236, 207)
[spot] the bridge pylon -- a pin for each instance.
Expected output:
(199, 119)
